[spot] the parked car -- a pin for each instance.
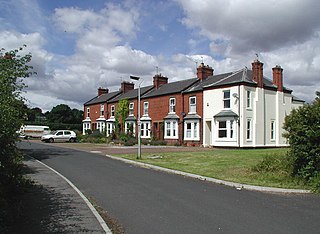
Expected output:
(60, 136)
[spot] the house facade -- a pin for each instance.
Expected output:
(236, 109)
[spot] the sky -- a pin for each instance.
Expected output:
(78, 45)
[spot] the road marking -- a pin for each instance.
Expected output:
(95, 152)
(91, 207)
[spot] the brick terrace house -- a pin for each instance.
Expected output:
(237, 109)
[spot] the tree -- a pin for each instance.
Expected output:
(13, 68)
(122, 113)
(303, 132)
(62, 113)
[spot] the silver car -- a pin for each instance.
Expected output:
(60, 136)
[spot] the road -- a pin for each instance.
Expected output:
(148, 201)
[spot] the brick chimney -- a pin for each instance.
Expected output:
(257, 72)
(204, 71)
(102, 91)
(159, 80)
(278, 77)
(126, 86)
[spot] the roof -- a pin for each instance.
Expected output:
(226, 113)
(231, 78)
(170, 88)
(102, 98)
(296, 99)
(131, 94)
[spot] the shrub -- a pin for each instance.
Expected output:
(303, 133)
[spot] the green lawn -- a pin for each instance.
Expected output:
(231, 165)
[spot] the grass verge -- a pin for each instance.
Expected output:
(262, 167)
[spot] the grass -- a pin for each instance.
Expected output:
(240, 165)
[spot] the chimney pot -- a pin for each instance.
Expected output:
(278, 77)
(204, 71)
(257, 72)
(102, 91)
(159, 80)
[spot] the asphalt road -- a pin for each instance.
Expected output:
(147, 201)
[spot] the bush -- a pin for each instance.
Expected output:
(303, 132)
(274, 163)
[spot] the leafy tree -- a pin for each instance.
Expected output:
(303, 132)
(122, 113)
(62, 113)
(13, 68)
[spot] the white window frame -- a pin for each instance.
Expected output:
(192, 106)
(101, 110)
(229, 129)
(273, 130)
(172, 105)
(146, 108)
(88, 112)
(194, 132)
(110, 128)
(131, 109)
(249, 99)
(127, 127)
(145, 129)
(226, 100)
(171, 129)
(112, 111)
(249, 130)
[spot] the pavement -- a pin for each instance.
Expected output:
(55, 205)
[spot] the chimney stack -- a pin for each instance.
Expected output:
(159, 80)
(102, 91)
(204, 71)
(278, 77)
(257, 75)
(126, 86)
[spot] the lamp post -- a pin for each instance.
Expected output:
(139, 115)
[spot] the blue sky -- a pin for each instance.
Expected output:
(80, 45)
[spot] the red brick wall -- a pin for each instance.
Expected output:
(199, 108)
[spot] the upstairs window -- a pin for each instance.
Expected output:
(226, 99)
(112, 111)
(273, 130)
(248, 99)
(146, 108)
(101, 110)
(192, 105)
(172, 105)
(88, 112)
(131, 106)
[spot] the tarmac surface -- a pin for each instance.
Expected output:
(53, 206)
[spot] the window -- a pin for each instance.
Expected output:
(67, 133)
(172, 105)
(145, 129)
(131, 110)
(146, 108)
(101, 110)
(170, 130)
(249, 130)
(248, 99)
(226, 130)
(130, 128)
(88, 112)
(191, 130)
(112, 111)
(192, 105)
(222, 129)
(273, 128)
(226, 99)
(110, 128)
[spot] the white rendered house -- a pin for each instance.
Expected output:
(245, 109)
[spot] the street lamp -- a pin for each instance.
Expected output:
(136, 78)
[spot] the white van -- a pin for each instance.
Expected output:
(36, 131)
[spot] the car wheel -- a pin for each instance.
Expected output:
(72, 140)
(51, 140)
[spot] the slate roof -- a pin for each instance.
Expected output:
(131, 94)
(102, 98)
(170, 88)
(226, 113)
(241, 76)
